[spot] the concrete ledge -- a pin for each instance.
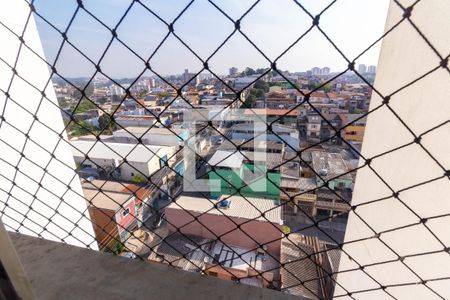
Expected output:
(59, 271)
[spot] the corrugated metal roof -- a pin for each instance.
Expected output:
(298, 268)
(240, 207)
(118, 151)
(226, 159)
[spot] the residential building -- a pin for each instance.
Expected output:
(282, 116)
(279, 101)
(254, 174)
(372, 69)
(253, 146)
(115, 90)
(325, 71)
(151, 136)
(127, 162)
(248, 265)
(355, 125)
(233, 71)
(315, 71)
(333, 170)
(279, 133)
(113, 210)
(306, 267)
(197, 254)
(313, 127)
(362, 69)
(243, 82)
(209, 219)
(135, 120)
(334, 207)
(299, 191)
(182, 251)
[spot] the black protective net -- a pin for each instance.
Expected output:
(234, 234)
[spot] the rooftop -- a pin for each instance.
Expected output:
(139, 131)
(226, 159)
(298, 268)
(239, 207)
(301, 184)
(135, 117)
(353, 119)
(228, 257)
(271, 112)
(116, 151)
(251, 144)
(112, 195)
(234, 159)
(182, 251)
(329, 165)
(276, 127)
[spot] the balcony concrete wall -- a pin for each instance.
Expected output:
(425, 104)
(36, 193)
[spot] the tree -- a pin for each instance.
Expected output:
(84, 105)
(259, 93)
(163, 95)
(143, 92)
(275, 84)
(262, 85)
(326, 88)
(106, 123)
(250, 101)
(314, 84)
(261, 70)
(102, 100)
(82, 128)
(249, 71)
(138, 178)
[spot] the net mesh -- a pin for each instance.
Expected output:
(160, 216)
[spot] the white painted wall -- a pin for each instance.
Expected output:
(148, 139)
(14, 14)
(404, 57)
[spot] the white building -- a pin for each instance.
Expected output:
(138, 120)
(153, 136)
(233, 71)
(315, 71)
(325, 71)
(109, 158)
(362, 69)
(115, 90)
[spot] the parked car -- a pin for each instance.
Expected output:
(128, 255)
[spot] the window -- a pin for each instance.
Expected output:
(126, 212)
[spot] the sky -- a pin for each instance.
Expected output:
(272, 25)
